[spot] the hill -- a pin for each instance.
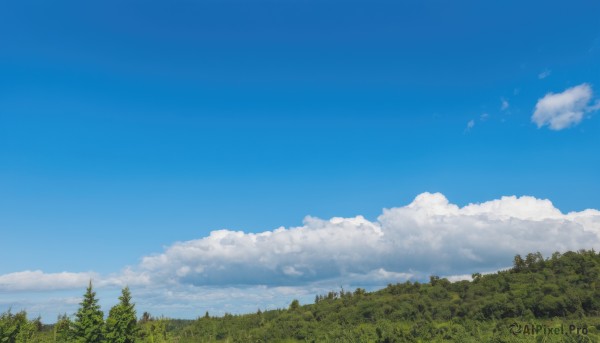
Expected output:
(556, 299)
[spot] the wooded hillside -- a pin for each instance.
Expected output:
(556, 299)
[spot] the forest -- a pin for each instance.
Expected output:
(553, 299)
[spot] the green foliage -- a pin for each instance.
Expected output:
(16, 328)
(89, 322)
(295, 305)
(121, 324)
(544, 293)
(551, 292)
(161, 330)
(63, 329)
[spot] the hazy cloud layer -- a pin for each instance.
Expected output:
(428, 236)
(37, 280)
(563, 110)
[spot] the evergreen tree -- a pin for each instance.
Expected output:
(63, 329)
(121, 325)
(12, 326)
(89, 321)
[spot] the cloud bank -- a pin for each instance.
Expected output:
(428, 236)
(563, 110)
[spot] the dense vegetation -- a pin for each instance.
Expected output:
(538, 300)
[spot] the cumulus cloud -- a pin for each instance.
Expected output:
(429, 236)
(319, 249)
(563, 110)
(504, 105)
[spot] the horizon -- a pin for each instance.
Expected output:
(225, 156)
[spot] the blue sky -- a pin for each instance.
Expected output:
(128, 126)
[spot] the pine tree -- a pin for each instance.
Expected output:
(89, 321)
(121, 325)
(63, 329)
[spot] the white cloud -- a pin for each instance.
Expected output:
(565, 109)
(455, 278)
(37, 280)
(430, 235)
(230, 271)
(127, 277)
(470, 125)
(505, 105)
(594, 107)
(544, 74)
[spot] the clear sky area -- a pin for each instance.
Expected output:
(233, 155)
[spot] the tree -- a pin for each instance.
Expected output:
(360, 292)
(16, 328)
(11, 326)
(295, 305)
(146, 317)
(89, 320)
(518, 263)
(121, 324)
(63, 329)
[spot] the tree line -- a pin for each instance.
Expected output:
(558, 291)
(88, 326)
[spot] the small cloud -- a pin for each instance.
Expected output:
(594, 107)
(562, 110)
(484, 117)
(595, 45)
(505, 105)
(470, 125)
(544, 74)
